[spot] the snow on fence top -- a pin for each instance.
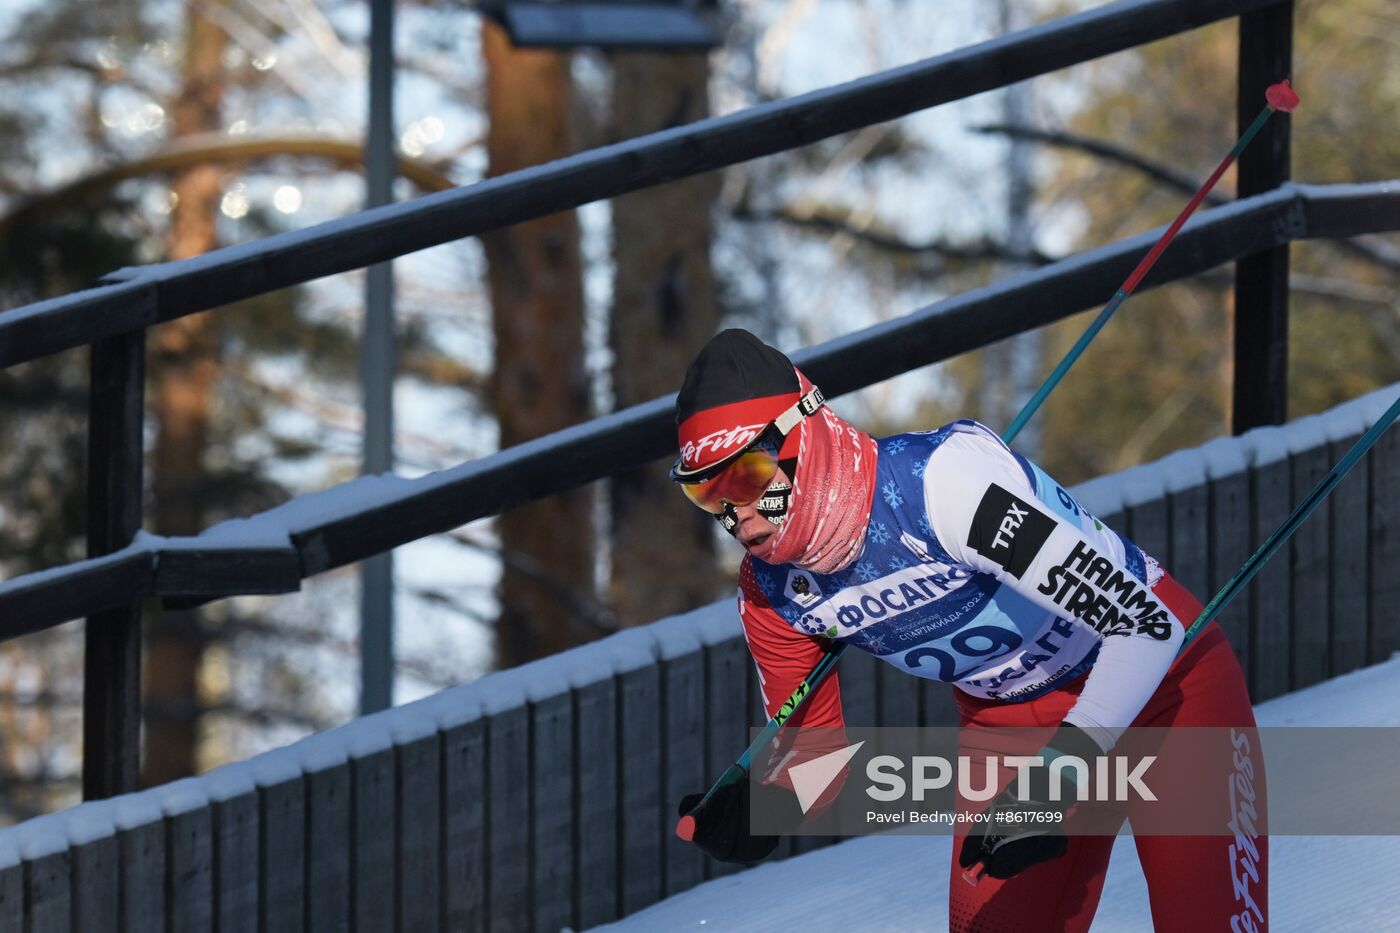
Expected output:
(1225, 456)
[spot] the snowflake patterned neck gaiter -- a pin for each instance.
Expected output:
(826, 520)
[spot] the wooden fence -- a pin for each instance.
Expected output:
(542, 797)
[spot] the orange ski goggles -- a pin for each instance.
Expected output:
(742, 479)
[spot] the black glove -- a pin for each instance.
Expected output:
(1019, 833)
(722, 824)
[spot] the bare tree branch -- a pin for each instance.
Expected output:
(44, 59)
(301, 17)
(266, 715)
(1105, 150)
(1372, 249)
(1316, 286)
(828, 219)
(1378, 305)
(216, 147)
(349, 419)
(423, 670)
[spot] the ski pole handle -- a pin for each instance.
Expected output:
(973, 873)
(685, 826)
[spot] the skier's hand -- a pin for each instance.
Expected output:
(722, 824)
(1020, 832)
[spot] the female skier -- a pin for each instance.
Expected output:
(951, 556)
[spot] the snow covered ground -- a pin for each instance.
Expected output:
(1316, 883)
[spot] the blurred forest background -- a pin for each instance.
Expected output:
(138, 131)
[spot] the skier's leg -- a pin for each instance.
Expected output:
(1197, 882)
(1217, 881)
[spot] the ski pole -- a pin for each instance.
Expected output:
(1290, 524)
(1280, 97)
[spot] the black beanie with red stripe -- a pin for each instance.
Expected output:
(734, 388)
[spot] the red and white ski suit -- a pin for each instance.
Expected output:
(979, 570)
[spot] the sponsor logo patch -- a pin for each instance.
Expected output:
(773, 505)
(1089, 587)
(887, 597)
(802, 589)
(1008, 530)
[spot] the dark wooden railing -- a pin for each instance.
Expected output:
(273, 552)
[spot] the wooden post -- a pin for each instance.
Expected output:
(1261, 280)
(112, 680)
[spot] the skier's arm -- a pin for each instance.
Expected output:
(984, 510)
(783, 657)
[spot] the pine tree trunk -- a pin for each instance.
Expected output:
(183, 377)
(539, 386)
(664, 309)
